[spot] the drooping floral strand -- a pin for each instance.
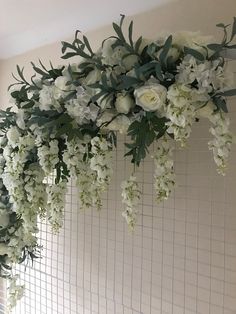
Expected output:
(15, 292)
(164, 178)
(78, 163)
(56, 203)
(222, 140)
(130, 198)
(180, 111)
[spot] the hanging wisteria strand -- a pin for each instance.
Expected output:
(64, 123)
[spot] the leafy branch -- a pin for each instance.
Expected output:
(143, 133)
(226, 41)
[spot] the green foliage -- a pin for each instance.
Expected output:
(143, 133)
(226, 40)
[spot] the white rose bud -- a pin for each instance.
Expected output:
(93, 77)
(206, 111)
(130, 61)
(124, 103)
(151, 96)
(121, 124)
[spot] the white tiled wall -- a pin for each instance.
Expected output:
(181, 258)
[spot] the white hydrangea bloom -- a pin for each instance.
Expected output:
(209, 75)
(56, 203)
(130, 198)
(181, 112)
(164, 179)
(50, 95)
(222, 141)
(81, 108)
(48, 156)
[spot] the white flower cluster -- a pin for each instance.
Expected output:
(222, 141)
(181, 112)
(116, 56)
(16, 155)
(78, 163)
(130, 198)
(14, 293)
(164, 179)
(48, 156)
(35, 188)
(50, 95)
(209, 75)
(80, 108)
(56, 203)
(151, 96)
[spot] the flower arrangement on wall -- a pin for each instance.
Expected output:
(65, 121)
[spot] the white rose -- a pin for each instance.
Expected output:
(13, 136)
(4, 219)
(3, 249)
(93, 77)
(151, 96)
(124, 103)
(206, 111)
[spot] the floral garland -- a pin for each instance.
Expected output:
(65, 120)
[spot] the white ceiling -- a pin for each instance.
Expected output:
(27, 24)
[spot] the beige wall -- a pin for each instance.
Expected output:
(181, 258)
